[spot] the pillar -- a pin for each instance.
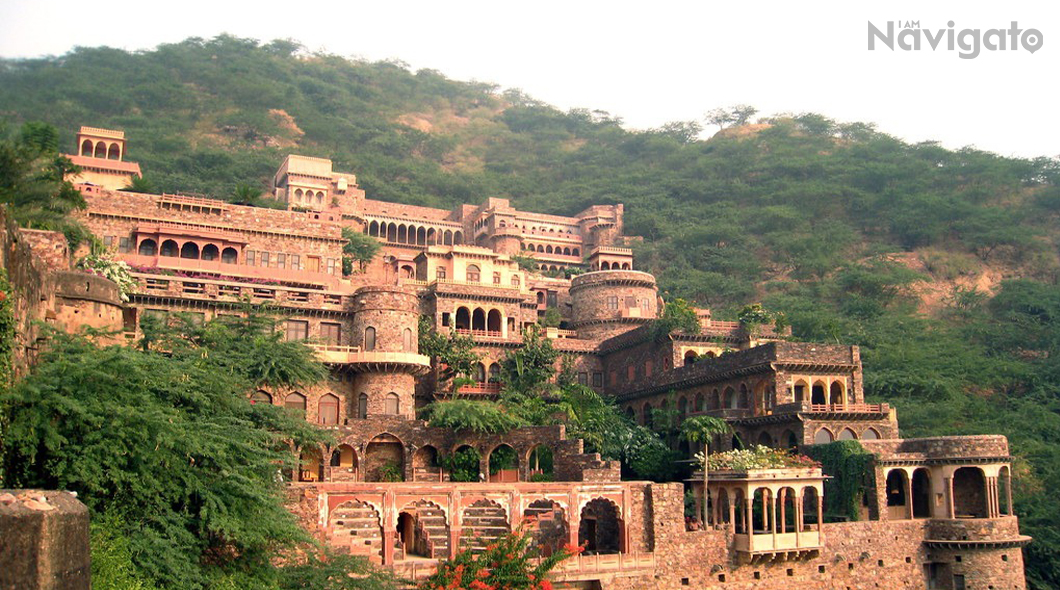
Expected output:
(908, 496)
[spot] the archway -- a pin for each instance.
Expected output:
(690, 358)
(310, 465)
(147, 247)
(189, 250)
(357, 523)
(765, 440)
(494, 321)
(463, 318)
(730, 398)
(787, 515)
(847, 434)
(811, 509)
(101, 150)
(762, 517)
(790, 440)
(464, 465)
(425, 464)
(823, 437)
(86, 148)
(739, 504)
(503, 464)
(422, 530)
(295, 401)
(539, 464)
(1004, 491)
(384, 459)
(818, 395)
(343, 463)
(744, 401)
(230, 256)
(495, 373)
(921, 493)
(600, 529)
(897, 496)
(548, 525)
(835, 396)
(169, 248)
(969, 493)
(210, 252)
(646, 416)
(478, 319)
(870, 434)
(697, 403)
(113, 153)
(484, 521)
(716, 401)
(329, 409)
(261, 397)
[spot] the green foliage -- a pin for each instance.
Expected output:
(390, 471)
(483, 417)
(757, 457)
(463, 465)
(360, 248)
(676, 315)
(141, 184)
(7, 337)
(551, 319)
(526, 263)
(454, 353)
(502, 458)
(101, 264)
(167, 445)
(850, 467)
(510, 562)
(112, 556)
(530, 367)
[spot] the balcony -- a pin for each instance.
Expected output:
(496, 334)
(481, 389)
(359, 360)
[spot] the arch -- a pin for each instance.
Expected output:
(789, 440)
(86, 148)
(762, 518)
(320, 197)
(210, 252)
(189, 250)
(261, 397)
(736, 443)
(295, 401)
(739, 504)
(463, 318)
(494, 375)
(540, 248)
(540, 464)
(800, 390)
(447, 238)
(310, 464)
(716, 401)
(1004, 491)
(870, 434)
(362, 406)
(229, 256)
(432, 236)
(101, 150)
(646, 415)
(343, 458)
(147, 247)
(744, 401)
(835, 394)
(730, 398)
(690, 358)
(425, 464)
(503, 464)
(823, 437)
(480, 372)
(359, 524)
(392, 404)
(969, 493)
(328, 409)
(575, 252)
(465, 465)
(600, 527)
(369, 338)
(682, 406)
(625, 266)
(298, 195)
(423, 529)
(402, 234)
(547, 523)
(373, 229)
(697, 405)
(114, 153)
(421, 236)
(478, 319)
(391, 232)
(548, 249)
(494, 321)
(921, 493)
(384, 459)
(787, 514)
(169, 248)
(516, 282)
(484, 522)
(566, 251)
(407, 343)
(897, 494)
(818, 395)
(458, 238)
(605, 266)
(811, 509)
(407, 272)
(765, 440)
(473, 274)
(847, 434)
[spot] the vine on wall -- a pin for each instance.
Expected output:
(850, 466)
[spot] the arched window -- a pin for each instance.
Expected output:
(229, 256)
(369, 338)
(823, 437)
(473, 273)
(495, 373)
(113, 153)
(847, 434)
(515, 281)
(575, 252)
(169, 248)
(261, 397)
(86, 148)
(329, 409)
(362, 406)
(209, 252)
(406, 340)
(147, 248)
(189, 250)
(392, 407)
(101, 150)
(295, 401)
(836, 393)
(480, 372)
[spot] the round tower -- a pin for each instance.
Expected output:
(610, 302)
(385, 329)
(506, 241)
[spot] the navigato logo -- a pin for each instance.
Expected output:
(966, 42)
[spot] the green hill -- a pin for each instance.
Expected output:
(941, 264)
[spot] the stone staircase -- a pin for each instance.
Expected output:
(431, 521)
(430, 474)
(484, 522)
(354, 527)
(549, 528)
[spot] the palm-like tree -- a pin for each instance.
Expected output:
(703, 429)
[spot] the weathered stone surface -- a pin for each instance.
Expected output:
(43, 541)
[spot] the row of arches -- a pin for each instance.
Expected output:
(190, 250)
(613, 266)
(422, 527)
(413, 234)
(548, 249)
(479, 319)
(787, 511)
(533, 228)
(329, 405)
(971, 493)
(101, 149)
(821, 392)
(825, 435)
(308, 197)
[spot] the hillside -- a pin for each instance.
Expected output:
(941, 264)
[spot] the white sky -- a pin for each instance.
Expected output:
(648, 62)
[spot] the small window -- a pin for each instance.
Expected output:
(496, 278)
(583, 378)
(108, 241)
(251, 256)
(331, 333)
(612, 302)
(264, 259)
(473, 274)
(515, 280)
(297, 330)
(393, 404)
(440, 274)
(296, 262)
(124, 245)
(362, 406)
(406, 340)
(598, 379)
(329, 410)
(332, 266)
(369, 338)
(281, 260)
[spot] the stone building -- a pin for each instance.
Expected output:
(940, 515)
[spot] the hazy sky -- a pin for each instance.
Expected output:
(648, 62)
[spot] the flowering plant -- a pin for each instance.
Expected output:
(104, 266)
(510, 563)
(757, 457)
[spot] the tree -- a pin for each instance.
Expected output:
(735, 115)
(454, 353)
(677, 315)
(702, 429)
(528, 368)
(506, 563)
(140, 184)
(360, 248)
